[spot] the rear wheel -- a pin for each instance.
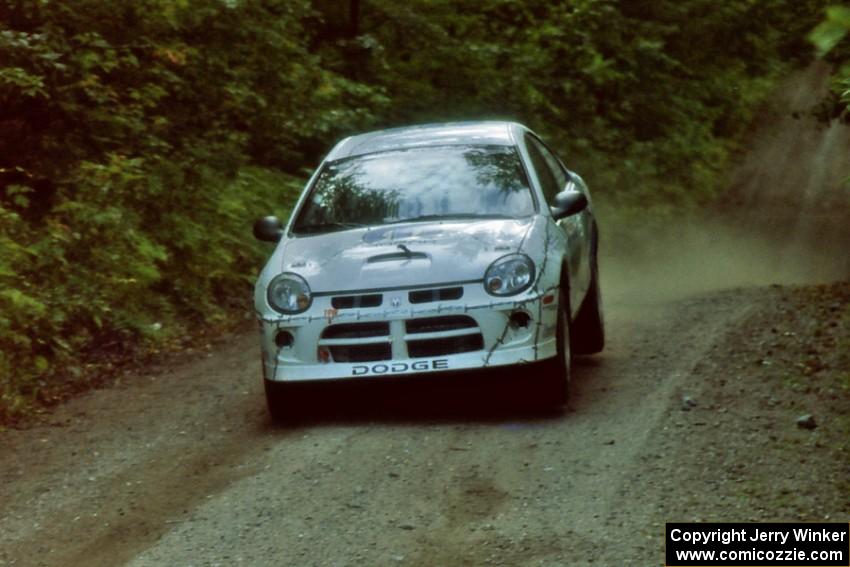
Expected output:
(557, 370)
(589, 329)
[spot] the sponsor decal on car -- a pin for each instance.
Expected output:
(398, 367)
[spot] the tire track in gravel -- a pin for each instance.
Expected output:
(380, 485)
(562, 488)
(198, 476)
(119, 466)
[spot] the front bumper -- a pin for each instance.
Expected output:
(476, 331)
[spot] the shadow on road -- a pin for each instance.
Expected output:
(511, 397)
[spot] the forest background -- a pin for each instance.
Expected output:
(140, 140)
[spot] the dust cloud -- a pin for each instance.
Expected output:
(705, 256)
(784, 220)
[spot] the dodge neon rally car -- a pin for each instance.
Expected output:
(431, 248)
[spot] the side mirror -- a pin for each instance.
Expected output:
(568, 203)
(268, 229)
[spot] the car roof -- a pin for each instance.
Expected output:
(490, 133)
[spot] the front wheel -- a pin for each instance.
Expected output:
(589, 335)
(280, 399)
(557, 370)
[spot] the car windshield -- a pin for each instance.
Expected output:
(446, 182)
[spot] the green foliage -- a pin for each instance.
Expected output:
(124, 197)
(138, 136)
(832, 29)
(829, 36)
(647, 97)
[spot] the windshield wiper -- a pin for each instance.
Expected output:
(326, 227)
(450, 216)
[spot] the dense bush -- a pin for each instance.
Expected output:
(649, 91)
(138, 136)
(831, 37)
(121, 218)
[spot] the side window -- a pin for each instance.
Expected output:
(555, 165)
(548, 182)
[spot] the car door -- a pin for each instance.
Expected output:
(554, 178)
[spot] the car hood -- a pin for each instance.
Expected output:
(421, 253)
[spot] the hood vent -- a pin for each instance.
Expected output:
(397, 256)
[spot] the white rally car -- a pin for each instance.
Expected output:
(432, 248)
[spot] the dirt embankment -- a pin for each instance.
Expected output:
(690, 414)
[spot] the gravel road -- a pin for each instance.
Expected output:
(184, 467)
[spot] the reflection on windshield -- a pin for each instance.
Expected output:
(418, 184)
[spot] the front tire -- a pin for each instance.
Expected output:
(557, 371)
(589, 329)
(281, 402)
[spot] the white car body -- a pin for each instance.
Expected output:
(409, 297)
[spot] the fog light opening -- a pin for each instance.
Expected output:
(520, 320)
(283, 339)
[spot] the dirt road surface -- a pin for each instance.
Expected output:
(180, 465)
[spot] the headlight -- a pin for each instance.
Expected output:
(289, 294)
(509, 275)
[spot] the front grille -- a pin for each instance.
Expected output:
(357, 301)
(437, 324)
(356, 330)
(424, 336)
(357, 342)
(449, 345)
(431, 295)
(361, 353)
